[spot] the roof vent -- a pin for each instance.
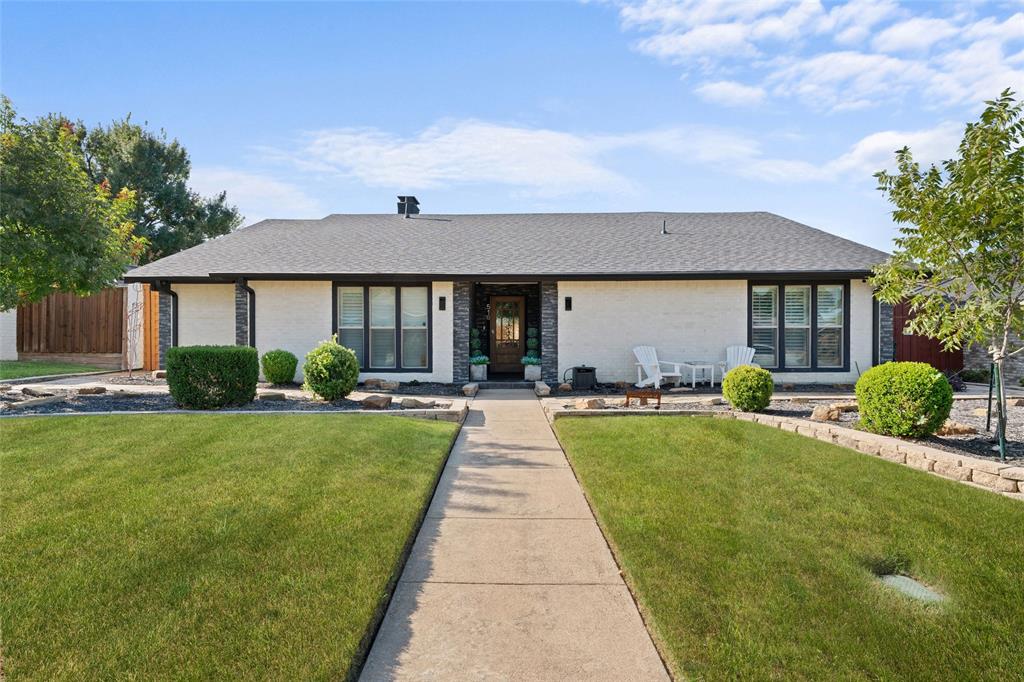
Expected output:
(408, 206)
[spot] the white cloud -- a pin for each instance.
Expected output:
(912, 35)
(731, 93)
(846, 56)
(257, 196)
(877, 151)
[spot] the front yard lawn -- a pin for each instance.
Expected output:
(752, 552)
(19, 369)
(204, 546)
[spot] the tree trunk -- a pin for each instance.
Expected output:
(1001, 405)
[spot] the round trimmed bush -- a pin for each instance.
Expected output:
(903, 399)
(331, 370)
(211, 377)
(279, 366)
(748, 388)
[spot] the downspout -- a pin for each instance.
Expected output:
(244, 283)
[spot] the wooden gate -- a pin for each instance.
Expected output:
(150, 328)
(911, 348)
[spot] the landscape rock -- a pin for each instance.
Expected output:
(35, 402)
(994, 481)
(952, 428)
(713, 401)
(844, 407)
(92, 390)
(372, 383)
(271, 395)
(825, 413)
(1015, 402)
(37, 392)
(564, 388)
(376, 402)
(541, 389)
(470, 390)
(417, 404)
(590, 404)
(388, 386)
(159, 374)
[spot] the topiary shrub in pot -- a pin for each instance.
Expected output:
(331, 371)
(910, 399)
(211, 377)
(748, 388)
(279, 366)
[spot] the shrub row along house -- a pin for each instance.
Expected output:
(404, 290)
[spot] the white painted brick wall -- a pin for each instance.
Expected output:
(206, 314)
(292, 316)
(683, 320)
(9, 334)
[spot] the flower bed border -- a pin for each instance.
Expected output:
(982, 473)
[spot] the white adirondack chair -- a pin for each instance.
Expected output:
(647, 363)
(736, 356)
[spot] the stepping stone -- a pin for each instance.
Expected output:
(417, 404)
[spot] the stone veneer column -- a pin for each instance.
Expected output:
(461, 313)
(241, 316)
(886, 340)
(549, 332)
(166, 326)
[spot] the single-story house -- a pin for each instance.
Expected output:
(404, 290)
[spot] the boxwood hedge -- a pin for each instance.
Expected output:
(903, 399)
(211, 377)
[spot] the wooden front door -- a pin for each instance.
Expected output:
(508, 333)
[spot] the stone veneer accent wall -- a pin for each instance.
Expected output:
(886, 338)
(976, 357)
(462, 314)
(166, 326)
(241, 316)
(549, 332)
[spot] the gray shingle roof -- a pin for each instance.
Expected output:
(537, 244)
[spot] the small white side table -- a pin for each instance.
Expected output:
(703, 366)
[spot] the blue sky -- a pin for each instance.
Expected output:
(300, 110)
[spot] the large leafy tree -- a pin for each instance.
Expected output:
(168, 214)
(59, 229)
(959, 259)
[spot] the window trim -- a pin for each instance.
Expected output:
(781, 335)
(398, 369)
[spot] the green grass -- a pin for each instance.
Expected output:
(203, 546)
(752, 552)
(19, 369)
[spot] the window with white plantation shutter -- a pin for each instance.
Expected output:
(382, 328)
(830, 325)
(368, 323)
(764, 325)
(415, 304)
(798, 326)
(350, 321)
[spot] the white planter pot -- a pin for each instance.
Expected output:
(531, 372)
(478, 372)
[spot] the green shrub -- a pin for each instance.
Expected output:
(979, 376)
(474, 341)
(210, 377)
(530, 360)
(903, 399)
(331, 370)
(279, 366)
(479, 360)
(748, 388)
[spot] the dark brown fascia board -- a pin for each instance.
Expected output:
(229, 277)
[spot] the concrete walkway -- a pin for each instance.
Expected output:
(510, 577)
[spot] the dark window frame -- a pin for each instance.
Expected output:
(780, 337)
(397, 369)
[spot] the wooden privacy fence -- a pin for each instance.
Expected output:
(911, 348)
(70, 324)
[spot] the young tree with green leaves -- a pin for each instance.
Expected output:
(168, 214)
(959, 259)
(59, 230)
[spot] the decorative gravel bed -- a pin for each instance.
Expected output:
(979, 444)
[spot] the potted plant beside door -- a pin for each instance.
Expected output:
(531, 361)
(477, 360)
